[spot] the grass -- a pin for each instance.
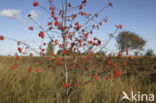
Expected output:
(20, 86)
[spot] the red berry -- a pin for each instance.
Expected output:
(31, 28)
(1, 37)
(35, 3)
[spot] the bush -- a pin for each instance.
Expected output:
(149, 52)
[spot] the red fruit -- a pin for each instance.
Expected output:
(119, 54)
(100, 23)
(93, 25)
(116, 74)
(43, 50)
(18, 43)
(41, 53)
(44, 44)
(99, 42)
(1, 37)
(66, 85)
(52, 14)
(95, 38)
(79, 66)
(69, 4)
(31, 28)
(115, 66)
(109, 62)
(41, 34)
(55, 18)
(30, 69)
(77, 23)
(60, 45)
(124, 64)
(74, 16)
(35, 3)
(17, 58)
(85, 1)
(31, 54)
(77, 85)
(97, 26)
(107, 66)
(107, 78)
(96, 15)
(20, 50)
(56, 42)
(119, 26)
(131, 57)
(110, 4)
(37, 70)
(96, 77)
(50, 28)
(49, 23)
(81, 6)
(91, 32)
(13, 67)
(89, 56)
(126, 51)
(57, 23)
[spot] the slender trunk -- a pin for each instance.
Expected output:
(64, 48)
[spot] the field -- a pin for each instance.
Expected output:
(21, 86)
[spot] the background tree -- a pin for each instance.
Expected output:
(149, 52)
(50, 48)
(129, 40)
(59, 53)
(101, 53)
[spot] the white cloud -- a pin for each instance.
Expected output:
(33, 14)
(10, 13)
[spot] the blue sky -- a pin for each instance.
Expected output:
(138, 16)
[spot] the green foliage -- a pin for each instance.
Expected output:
(130, 40)
(50, 48)
(149, 52)
(59, 53)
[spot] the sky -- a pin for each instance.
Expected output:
(137, 16)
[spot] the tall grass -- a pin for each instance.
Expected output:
(20, 86)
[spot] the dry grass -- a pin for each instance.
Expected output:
(20, 86)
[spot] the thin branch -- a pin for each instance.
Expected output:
(40, 27)
(109, 39)
(23, 44)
